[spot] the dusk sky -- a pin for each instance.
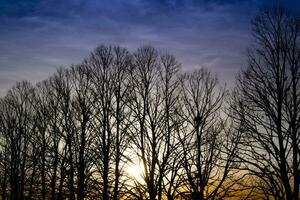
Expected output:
(38, 36)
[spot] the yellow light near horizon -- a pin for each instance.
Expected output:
(136, 172)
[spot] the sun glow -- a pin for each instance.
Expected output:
(136, 172)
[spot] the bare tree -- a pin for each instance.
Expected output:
(40, 140)
(110, 71)
(68, 132)
(16, 130)
(82, 108)
(207, 151)
(73, 135)
(267, 105)
(121, 68)
(57, 147)
(4, 152)
(153, 106)
(167, 157)
(146, 111)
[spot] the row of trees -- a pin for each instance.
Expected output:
(74, 135)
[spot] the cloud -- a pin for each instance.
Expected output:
(37, 36)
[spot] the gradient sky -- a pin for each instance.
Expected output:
(38, 36)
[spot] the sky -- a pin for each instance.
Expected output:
(38, 36)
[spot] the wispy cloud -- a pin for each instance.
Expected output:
(37, 36)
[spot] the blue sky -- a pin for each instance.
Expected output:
(38, 36)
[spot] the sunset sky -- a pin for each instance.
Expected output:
(38, 36)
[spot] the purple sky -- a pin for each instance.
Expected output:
(38, 36)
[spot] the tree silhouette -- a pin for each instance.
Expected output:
(153, 106)
(267, 105)
(73, 135)
(207, 151)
